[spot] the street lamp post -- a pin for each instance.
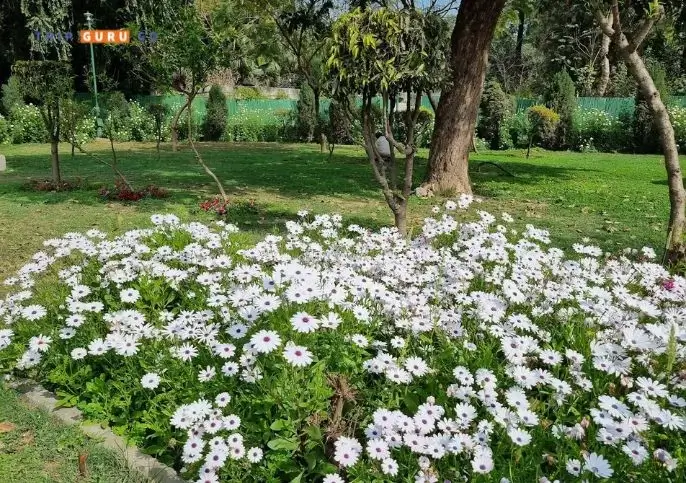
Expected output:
(98, 121)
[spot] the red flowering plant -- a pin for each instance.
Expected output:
(123, 192)
(217, 205)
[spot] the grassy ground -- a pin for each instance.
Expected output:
(615, 200)
(36, 448)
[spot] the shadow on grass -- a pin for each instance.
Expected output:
(294, 171)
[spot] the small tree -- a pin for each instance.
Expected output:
(214, 125)
(384, 52)
(158, 113)
(115, 113)
(306, 113)
(47, 83)
(496, 107)
(561, 98)
(73, 114)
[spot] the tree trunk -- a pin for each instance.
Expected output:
(604, 78)
(55, 161)
(520, 38)
(175, 124)
(317, 96)
(400, 217)
(637, 68)
(459, 104)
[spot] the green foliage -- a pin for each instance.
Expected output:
(339, 128)
(600, 131)
(544, 124)
(12, 96)
(247, 93)
(216, 116)
(518, 128)
(183, 126)
(306, 118)
(27, 125)
(678, 118)
(115, 115)
(77, 126)
(5, 130)
(422, 129)
(561, 98)
(496, 107)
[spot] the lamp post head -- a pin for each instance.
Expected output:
(89, 17)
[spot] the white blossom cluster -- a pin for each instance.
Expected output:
(564, 328)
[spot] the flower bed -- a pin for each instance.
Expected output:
(340, 354)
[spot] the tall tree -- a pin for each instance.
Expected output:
(628, 44)
(459, 103)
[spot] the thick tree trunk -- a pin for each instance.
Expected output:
(459, 104)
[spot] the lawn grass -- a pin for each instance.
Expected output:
(34, 448)
(614, 200)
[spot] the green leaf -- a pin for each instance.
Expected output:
(278, 425)
(282, 443)
(314, 432)
(298, 478)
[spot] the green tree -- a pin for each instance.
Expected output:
(214, 125)
(306, 113)
(385, 52)
(561, 98)
(47, 83)
(496, 107)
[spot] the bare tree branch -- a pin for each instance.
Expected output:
(638, 36)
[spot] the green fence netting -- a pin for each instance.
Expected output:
(269, 111)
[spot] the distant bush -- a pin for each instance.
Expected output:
(5, 130)
(339, 128)
(12, 97)
(518, 128)
(141, 123)
(422, 130)
(247, 93)
(27, 125)
(544, 123)
(601, 130)
(282, 94)
(561, 98)
(214, 124)
(77, 124)
(496, 107)
(678, 117)
(305, 114)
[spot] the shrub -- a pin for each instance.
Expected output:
(305, 114)
(27, 125)
(544, 123)
(77, 125)
(334, 345)
(141, 123)
(214, 125)
(339, 129)
(121, 192)
(518, 128)
(496, 107)
(561, 98)
(422, 130)
(601, 130)
(115, 111)
(247, 93)
(160, 116)
(12, 96)
(678, 117)
(5, 130)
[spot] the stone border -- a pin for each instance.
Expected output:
(36, 395)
